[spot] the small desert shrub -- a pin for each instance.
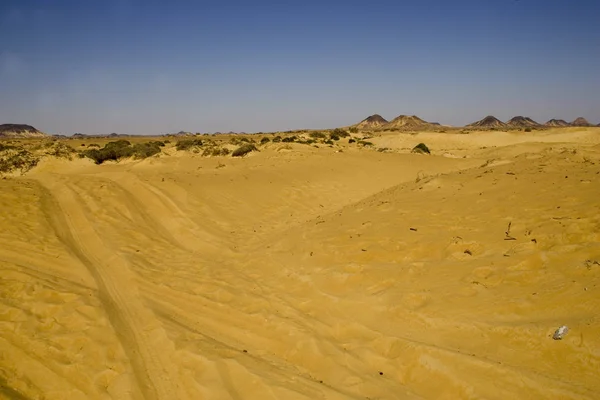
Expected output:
(317, 135)
(339, 132)
(145, 150)
(277, 139)
(243, 150)
(118, 144)
(364, 143)
(215, 151)
(265, 140)
(421, 148)
(114, 151)
(527, 129)
(289, 139)
(106, 154)
(383, 149)
(351, 140)
(60, 150)
(93, 145)
(353, 129)
(12, 159)
(6, 147)
(239, 140)
(329, 142)
(187, 144)
(333, 136)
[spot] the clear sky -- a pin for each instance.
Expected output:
(149, 67)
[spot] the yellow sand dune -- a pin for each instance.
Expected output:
(308, 273)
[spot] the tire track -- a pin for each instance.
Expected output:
(142, 336)
(179, 229)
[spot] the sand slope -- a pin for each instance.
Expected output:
(308, 273)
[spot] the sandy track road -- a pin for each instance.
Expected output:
(143, 338)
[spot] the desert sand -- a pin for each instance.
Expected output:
(308, 273)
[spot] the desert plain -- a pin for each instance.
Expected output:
(302, 272)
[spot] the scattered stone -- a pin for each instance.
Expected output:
(560, 332)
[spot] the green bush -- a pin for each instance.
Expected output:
(13, 158)
(353, 129)
(277, 139)
(240, 140)
(114, 151)
(243, 150)
(118, 144)
(215, 151)
(289, 139)
(145, 150)
(104, 154)
(351, 140)
(187, 144)
(421, 148)
(339, 132)
(61, 150)
(317, 135)
(265, 140)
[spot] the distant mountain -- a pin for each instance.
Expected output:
(20, 131)
(407, 122)
(374, 121)
(581, 122)
(520, 121)
(488, 122)
(557, 122)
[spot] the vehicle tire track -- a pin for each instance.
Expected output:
(179, 228)
(150, 351)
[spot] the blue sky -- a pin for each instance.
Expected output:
(149, 67)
